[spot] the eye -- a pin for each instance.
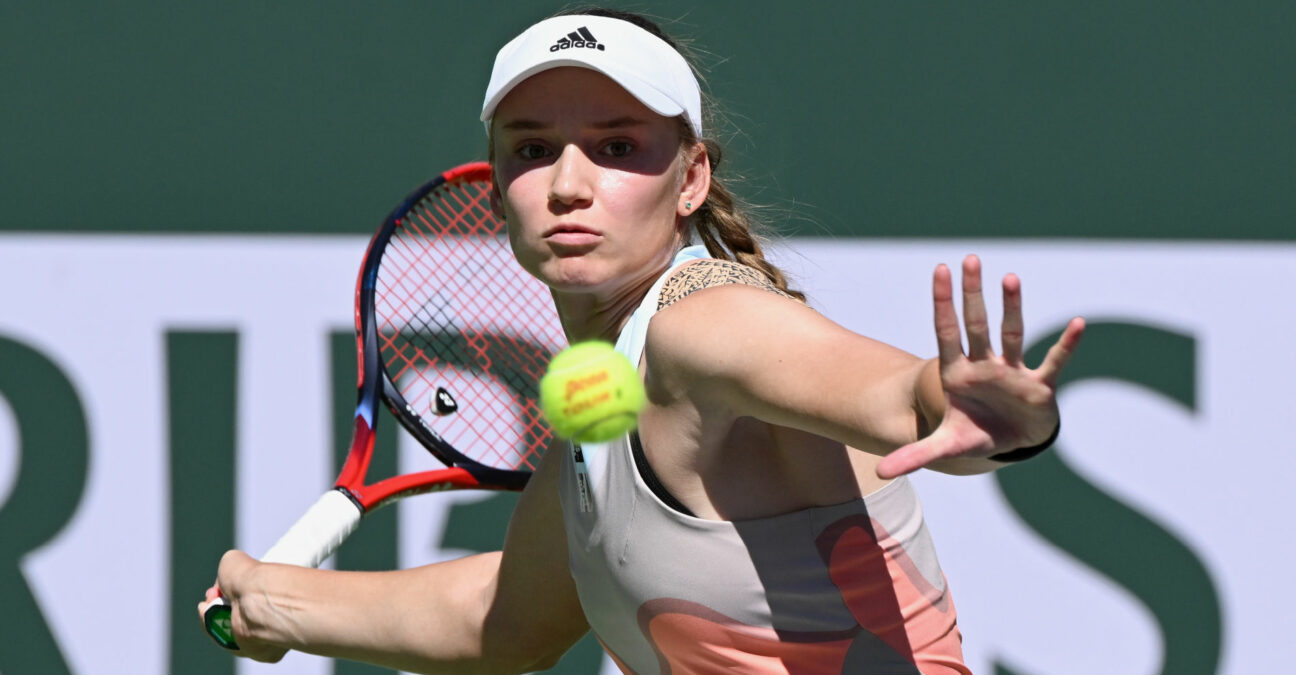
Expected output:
(532, 151)
(618, 148)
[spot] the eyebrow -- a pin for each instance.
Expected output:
(534, 125)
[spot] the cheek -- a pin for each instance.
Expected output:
(519, 198)
(641, 199)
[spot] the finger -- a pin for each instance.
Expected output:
(1012, 330)
(974, 311)
(1061, 351)
(908, 458)
(949, 340)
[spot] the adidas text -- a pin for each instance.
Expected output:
(577, 39)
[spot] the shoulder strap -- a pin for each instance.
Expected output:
(631, 340)
(708, 274)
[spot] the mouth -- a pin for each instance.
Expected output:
(569, 228)
(568, 238)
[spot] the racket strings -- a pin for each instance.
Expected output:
(454, 310)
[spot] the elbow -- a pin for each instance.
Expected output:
(517, 663)
(490, 664)
(546, 662)
(522, 652)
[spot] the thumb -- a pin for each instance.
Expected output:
(909, 458)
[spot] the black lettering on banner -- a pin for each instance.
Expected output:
(476, 526)
(1127, 546)
(374, 544)
(480, 526)
(53, 466)
(202, 432)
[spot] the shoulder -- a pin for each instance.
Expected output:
(715, 301)
(716, 320)
(710, 273)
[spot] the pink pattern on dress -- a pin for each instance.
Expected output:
(903, 620)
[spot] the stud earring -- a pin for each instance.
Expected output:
(688, 206)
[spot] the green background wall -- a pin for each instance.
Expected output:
(1011, 118)
(1106, 120)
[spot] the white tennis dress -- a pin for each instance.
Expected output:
(849, 588)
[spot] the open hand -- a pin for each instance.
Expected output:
(994, 403)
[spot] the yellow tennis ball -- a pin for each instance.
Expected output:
(591, 393)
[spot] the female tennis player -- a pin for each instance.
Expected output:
(759, 520)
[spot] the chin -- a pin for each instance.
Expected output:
(568, 273)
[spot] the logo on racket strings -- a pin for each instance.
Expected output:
(443, 403)
(581, 38)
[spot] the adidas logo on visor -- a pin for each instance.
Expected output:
(580, 38)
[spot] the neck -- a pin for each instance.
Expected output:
(602, 315)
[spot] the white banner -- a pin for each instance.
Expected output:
(1207, 479)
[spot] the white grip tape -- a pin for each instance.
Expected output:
(314, 537)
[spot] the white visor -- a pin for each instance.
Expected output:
(642, 63)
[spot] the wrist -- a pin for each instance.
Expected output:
(269, 606)
(1023, 454)
(929, 397)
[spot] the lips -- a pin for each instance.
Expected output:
(570, 228)
(569, 235)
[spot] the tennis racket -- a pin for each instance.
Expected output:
(453, 336)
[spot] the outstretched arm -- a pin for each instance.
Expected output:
(738, 350)
(981, 404)
(509, 612)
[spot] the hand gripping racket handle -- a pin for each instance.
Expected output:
(309, 542)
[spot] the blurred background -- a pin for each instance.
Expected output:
(186, 191)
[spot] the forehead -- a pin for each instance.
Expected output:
(570, 93)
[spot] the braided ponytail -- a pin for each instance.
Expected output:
(726, 229)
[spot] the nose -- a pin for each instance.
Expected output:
(572, 183)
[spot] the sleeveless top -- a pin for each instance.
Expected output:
(848, 588)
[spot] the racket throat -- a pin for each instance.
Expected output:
(355, 499)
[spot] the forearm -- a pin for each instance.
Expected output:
(427, 619)
(512, 612)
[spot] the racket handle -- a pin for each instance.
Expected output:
(309, 542)
(318, 533)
